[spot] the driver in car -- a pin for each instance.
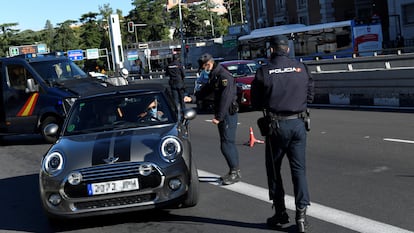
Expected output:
(152, 113)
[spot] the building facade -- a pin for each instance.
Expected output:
(397, 16)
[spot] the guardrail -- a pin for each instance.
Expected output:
(383, 80)
(378, 81)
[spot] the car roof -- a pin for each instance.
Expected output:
(130, 88)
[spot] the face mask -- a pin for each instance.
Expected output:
(153, 112)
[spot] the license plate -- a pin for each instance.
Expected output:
(113, 186)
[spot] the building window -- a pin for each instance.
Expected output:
(303, 20)
(302, 4)
(407, 13)
(281, 4)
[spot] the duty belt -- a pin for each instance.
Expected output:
(282, 117)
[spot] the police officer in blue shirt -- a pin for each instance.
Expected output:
(176, 73)
(221, 83)
(282, 90)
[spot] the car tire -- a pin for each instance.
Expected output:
(47, 121)
(193, 188)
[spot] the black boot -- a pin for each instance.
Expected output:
(277, 220)
(280, 217)
(232, 177)
(301, 220)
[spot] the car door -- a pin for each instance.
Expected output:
(19, 103)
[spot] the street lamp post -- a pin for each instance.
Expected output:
(181, 32)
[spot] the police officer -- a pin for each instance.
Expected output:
(176, 73)
(221, 83)
(282, 90)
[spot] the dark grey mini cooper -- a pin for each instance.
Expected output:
(124, 149)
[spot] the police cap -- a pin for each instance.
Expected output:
(204, 59)
(279, 40)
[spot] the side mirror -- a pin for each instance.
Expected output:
(51, 130)
(31, 86)
(189, 113)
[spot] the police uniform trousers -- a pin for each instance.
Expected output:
(178, 96)
(227, 131)
(289, 139)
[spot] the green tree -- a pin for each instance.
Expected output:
(153, 14)
(65, 38)
(6, 35)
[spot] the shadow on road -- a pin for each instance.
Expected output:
(20, 205)
(24, 139)
(22, 211)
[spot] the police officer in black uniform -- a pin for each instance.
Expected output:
(221, 83)
(282, 90)
(176, 73)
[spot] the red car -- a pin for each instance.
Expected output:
(243, 71)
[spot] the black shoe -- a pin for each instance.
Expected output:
(278, 220)
(232, 177)
(301, 220)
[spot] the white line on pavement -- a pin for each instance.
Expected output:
(398, 140)
(327, 214)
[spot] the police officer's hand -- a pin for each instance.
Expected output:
(187, 99)
(215, 121)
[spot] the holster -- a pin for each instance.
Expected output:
(265, 125)
(234, 108)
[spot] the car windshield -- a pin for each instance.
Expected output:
(118, 112)
(57, 70)
(242, 69)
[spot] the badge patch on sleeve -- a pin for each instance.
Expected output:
(224, 82)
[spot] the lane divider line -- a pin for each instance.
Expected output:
(324, 213)
(398, 140)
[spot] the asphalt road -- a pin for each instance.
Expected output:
(360, 174)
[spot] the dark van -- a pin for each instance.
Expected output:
(36, 89)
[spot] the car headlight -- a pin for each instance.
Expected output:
(244, 86)
(53, 163)
(170, 149)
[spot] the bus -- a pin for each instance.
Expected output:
(327, 40)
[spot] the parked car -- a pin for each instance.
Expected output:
(123, 149)
(243, 71)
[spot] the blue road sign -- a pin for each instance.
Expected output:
(75, 55)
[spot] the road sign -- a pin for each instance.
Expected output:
(25, 49)
(75, 55)
(132, 55)
(92, 53)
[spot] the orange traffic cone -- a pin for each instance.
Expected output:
(252, 139)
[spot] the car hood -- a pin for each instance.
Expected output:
(95, 149)
(82, 85)
(245, 80)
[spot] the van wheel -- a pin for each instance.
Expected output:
(47, 121)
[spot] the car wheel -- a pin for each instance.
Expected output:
(193, 188)
(46, 122)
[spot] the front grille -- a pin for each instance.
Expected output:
(114, 202)
(111, 172)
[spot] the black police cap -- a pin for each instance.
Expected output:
(204, 59)
(279, 40)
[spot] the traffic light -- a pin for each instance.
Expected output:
(131, 27)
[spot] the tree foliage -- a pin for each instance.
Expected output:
(91, 29)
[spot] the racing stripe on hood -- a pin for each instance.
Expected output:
(101, 148)
(112, 148)
(122, 147)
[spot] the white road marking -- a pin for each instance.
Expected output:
(327, 214)
(398, 140)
